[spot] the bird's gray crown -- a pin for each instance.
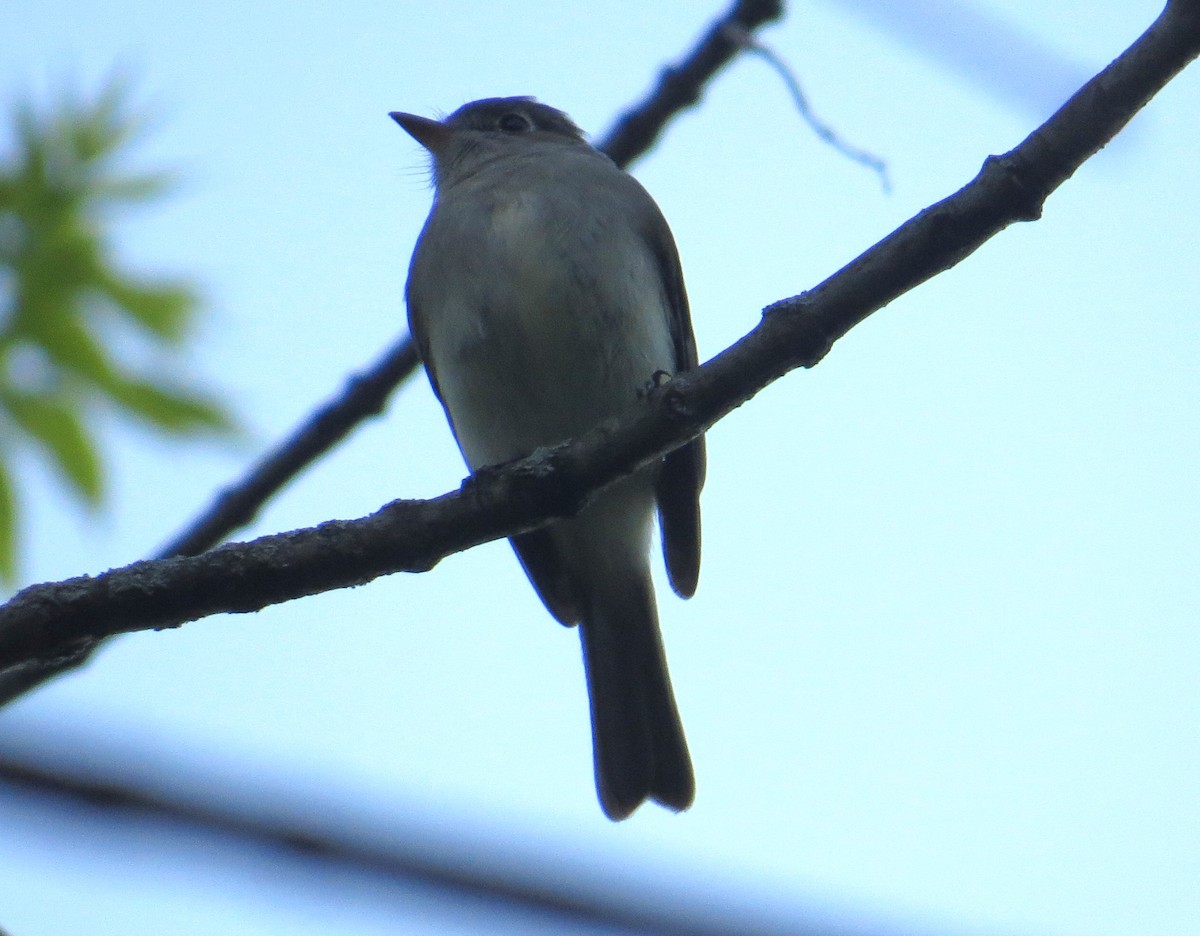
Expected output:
(513, 116)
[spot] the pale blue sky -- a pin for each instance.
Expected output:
(942, 662)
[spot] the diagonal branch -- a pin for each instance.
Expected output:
(636, 131)
(45, 621)
(679, 86)
(236, 506)
(366, 393)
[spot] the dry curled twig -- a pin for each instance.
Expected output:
(825, 132)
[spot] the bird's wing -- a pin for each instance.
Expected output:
(682, 473)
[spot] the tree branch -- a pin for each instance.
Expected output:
(679, 86)
(366, 393)
(45, 621)
(364, 396)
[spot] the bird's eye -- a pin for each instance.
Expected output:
(514, 123)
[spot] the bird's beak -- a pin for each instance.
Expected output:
(431, 134)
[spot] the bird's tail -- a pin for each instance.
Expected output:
(637, 737)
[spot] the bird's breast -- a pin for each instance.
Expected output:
(554, 322)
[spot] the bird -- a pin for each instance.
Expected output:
(545, 295)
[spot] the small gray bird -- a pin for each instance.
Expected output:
(545, 295)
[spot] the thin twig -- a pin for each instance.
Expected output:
(364, 395)
(679, 86)
(825, 132)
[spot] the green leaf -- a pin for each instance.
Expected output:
(8, 528)
(163, 309)
(92, 133)
(168, 408)
(58, 429)
(63, 179)
(78, 352)
(136, 188)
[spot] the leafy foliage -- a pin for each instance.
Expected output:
(64, 301)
